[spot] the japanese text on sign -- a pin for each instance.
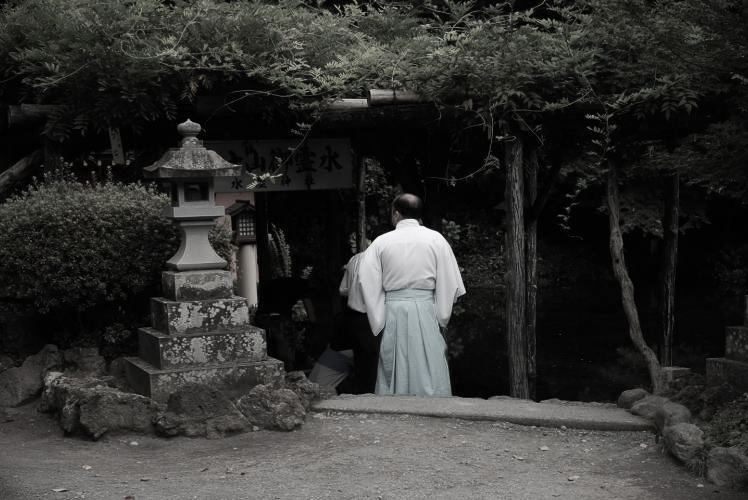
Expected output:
(296, 165)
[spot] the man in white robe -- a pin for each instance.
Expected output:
(410, 280)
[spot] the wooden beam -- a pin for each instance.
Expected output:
(20, 169)
(349, 104)
(380, 97)
(28, 114)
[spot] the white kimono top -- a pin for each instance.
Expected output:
(349, 285)
(410, 257)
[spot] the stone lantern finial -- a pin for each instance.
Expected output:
(190, 131)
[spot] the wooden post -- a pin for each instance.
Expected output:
(361, 215)
(265, 266)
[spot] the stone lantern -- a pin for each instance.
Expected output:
(191, 169)
(200, 331)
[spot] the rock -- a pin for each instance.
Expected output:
(9, 414)
(20, 384)
(306, 390)
(117, 367)
(84, 359)
(271, 408)
(727, 468)
(111, 410)
(648, 406)
(670, 414)
(6, 362)
(198, 410)
(627, 398)
(683, 441)
(87, 405)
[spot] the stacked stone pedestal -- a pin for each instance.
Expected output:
(733, 367)
(200, 333)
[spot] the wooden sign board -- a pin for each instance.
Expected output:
(298, 165)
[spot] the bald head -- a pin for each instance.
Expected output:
(408, 205)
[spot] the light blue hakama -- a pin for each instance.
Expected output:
(412, 355)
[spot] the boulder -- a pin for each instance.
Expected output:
(727, 468)
(270, 408)
(111, 410)
(6, 362)
(20, 384)
(199, 410)
(648, 406)
(87, 405)
(627, 398)
(683, 441)
(306, 390)
(670, 414)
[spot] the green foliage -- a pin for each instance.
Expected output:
(280, 253)
(654, 69)
(128, 63)
(479, 251)
(730, 270)
(379, 194)
(70, 245)
(75, 55)
(729, 425)
(714, 159)
(220, 239)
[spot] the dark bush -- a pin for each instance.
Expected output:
(82, 260)
(66, 244)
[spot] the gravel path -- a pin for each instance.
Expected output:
(346, 456)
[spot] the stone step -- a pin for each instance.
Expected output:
(233, 378)
(723, 370)
(171, 351)
(736, 343)
(199, 316)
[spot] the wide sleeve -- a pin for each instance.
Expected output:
(370, 281)
(347, 282)
(449, 284)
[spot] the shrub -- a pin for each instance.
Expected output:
(72, 245)
(729, 426)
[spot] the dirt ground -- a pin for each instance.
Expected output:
(344, 456)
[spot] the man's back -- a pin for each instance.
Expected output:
(408, 256)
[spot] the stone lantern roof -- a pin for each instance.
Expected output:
(191, 159)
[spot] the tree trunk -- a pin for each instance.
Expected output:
(531, 270)
(669, 265)
(624, 280)
(515, 272)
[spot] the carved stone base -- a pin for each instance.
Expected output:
(233, 378)
(200, 333)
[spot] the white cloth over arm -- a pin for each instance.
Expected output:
(410, 257)
(350, 286)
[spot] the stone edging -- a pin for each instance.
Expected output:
(681, 438)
